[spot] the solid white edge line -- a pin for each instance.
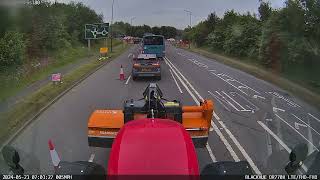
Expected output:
(91, 157)
(244, 153)
(279, 141)
(213, 158)
(185, 86)
(225, 142)
(184, 78)
(128, 80)
(176, 82)
(297, 131)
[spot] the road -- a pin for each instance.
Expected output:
(253, 121)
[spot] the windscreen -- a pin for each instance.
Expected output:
(153, 40)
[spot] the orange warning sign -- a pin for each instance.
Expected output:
(104, 50)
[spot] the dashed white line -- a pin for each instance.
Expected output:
(225, 142)
(297, 131)
(128, 80)
(175, 81)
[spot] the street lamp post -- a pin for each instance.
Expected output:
(131, 25)
(111, 26)
(190, 14)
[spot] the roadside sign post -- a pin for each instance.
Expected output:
(89, 45)
(56, 78)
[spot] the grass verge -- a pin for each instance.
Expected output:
(261, 73)
(19, 115)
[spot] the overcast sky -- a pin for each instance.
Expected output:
(169, 12)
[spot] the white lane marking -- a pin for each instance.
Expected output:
(184, 78)
(275, 109)
(213, 158)
(244, 153)
(211, 70)
(185, 86)
(289, 102)
(91, 157)
(228, 101)
(254, 167)
(219, 99)
(257, 96)
(274, 136)
(297, 125)
(128, 80)
(228, 83)
(255, 107)
(297, 131)
(225, 142)
(308, 125)
(314, 117)
(243, 85)
(175, 81)
(195, 100)
(279, 141)
(234, 100)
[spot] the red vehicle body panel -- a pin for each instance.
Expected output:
(153, 147)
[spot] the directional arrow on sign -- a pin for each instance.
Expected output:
(296, 125)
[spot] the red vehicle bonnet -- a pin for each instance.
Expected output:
(153, 147)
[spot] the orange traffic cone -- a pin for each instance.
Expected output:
(121, 73)
(54, 156)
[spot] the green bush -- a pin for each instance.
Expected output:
(12, 49)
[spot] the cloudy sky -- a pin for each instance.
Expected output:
(169, 12)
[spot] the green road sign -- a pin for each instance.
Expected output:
(96, 31)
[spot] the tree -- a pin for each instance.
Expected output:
(12, 49)
(212, 21)
(265, 10)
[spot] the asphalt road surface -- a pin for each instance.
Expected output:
(253, 121)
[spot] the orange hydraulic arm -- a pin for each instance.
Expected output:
(104, 124)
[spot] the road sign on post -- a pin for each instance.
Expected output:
(96, 31)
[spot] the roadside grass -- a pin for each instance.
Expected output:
(11, 83)
(290, 83)
(17, 116)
